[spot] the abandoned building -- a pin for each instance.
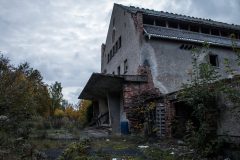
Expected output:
(150, 51)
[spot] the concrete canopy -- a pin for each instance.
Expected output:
(99, 85)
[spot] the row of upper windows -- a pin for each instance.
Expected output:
(125, 68)
(114, 49)
(190, 27)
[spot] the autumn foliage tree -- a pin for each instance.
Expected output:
(22, 95)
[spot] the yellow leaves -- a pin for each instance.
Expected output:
(59, 113)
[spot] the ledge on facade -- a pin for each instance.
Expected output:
(99, 85)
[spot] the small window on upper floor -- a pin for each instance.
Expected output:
(237, 35)
(108, 58)
(113, 35)
(172, 24)
(225, 33)
(125, 66)
(120, 42)
(118, 70)
(148, 20)
(111, 54)
(215, 32)
(194, 28)
(160, 22)
(183, 26)
(205, 30)
(213, 60)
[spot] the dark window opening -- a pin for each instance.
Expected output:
(182, 46)
(186, 47)
(111, 54)
(108, 58)
(161, 23)
(125, 66)
(213, 60)
(118, 70)
(116, 46)
(190, 47)
(183, 26)
(183, 114)
(236, 35)
(172, 24)
(205, 30)
(215, 32)
(225, 33)
(113, 73)
(148, 20)
(194, 28)
(119, 42)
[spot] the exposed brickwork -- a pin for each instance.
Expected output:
(140, 90)
(138, 21)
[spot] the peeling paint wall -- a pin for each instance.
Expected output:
(172, 66)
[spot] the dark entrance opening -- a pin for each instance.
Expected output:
(183, 114)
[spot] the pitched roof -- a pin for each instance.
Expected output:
(180, 17)
(170, 33)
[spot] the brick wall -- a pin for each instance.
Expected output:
(139, 90)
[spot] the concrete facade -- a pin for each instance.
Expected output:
(158, 45)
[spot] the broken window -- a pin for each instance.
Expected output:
(194, 28)
(183, 26)
(215, 32)
(161, 23)
(205, 30)
(118, 70)
(225, 33)
(213, 60)
(108, 58)
(172, 24)
(113, 73)
(148, 20)
(236, 35)
(125, 66)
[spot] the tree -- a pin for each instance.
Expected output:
(202, 93)
(56, 95)
(22, 95)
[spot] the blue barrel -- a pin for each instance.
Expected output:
(124, 127)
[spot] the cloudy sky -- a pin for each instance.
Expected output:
(62, 38)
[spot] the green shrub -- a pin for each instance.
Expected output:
(76, 151)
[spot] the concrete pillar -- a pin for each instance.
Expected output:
(114, 110)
